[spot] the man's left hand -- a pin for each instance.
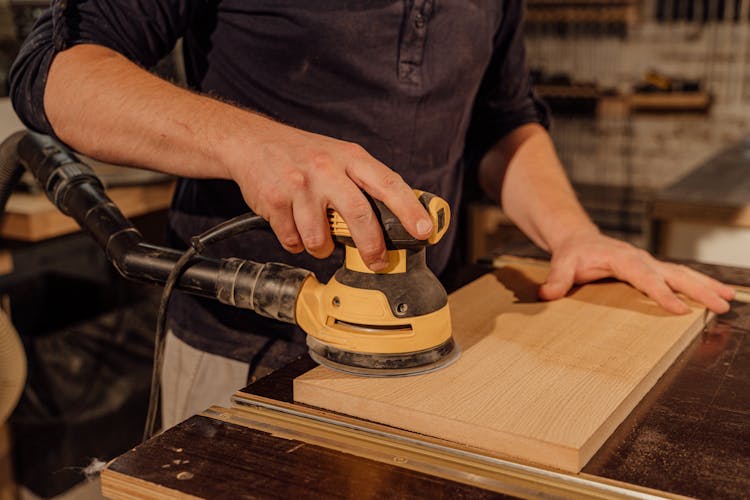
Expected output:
(592, 256)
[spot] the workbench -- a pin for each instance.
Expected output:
(31, 217)
(706, 214)
(689, 436)
(31, 223)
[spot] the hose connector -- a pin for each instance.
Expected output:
(269, 289)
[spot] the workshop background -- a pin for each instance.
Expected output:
(648, 98)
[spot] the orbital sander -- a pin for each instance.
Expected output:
(390, 323)
(393, 322)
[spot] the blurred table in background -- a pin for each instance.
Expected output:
(30, 217)
(705, 216)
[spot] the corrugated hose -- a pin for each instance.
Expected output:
(12, 355)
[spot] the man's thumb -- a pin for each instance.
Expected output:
(559, 281)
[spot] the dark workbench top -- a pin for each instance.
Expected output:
(689, 436)
(715, 192)
(209, 458)
(723, 180)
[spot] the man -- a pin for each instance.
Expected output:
(301, 106)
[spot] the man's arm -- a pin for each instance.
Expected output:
(107, 107)
(522, 172)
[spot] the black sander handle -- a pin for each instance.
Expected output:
(395, 234)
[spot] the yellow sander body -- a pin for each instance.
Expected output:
(395, 322)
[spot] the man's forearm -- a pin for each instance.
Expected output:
(107, 107)
(523, 173)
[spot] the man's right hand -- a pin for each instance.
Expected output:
(105, 106)
(291, 177)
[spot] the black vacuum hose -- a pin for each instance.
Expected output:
(11, 168)
(12, 355)
(270, 289)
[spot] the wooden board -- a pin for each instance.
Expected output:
(207, 457)
(672, 101)
(541, 382)
(8, 490)
(32, 217)
(715, 192)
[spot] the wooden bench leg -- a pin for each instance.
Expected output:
(8, 490)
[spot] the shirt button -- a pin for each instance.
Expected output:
(419, 21)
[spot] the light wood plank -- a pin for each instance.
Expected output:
(30, 217)
(672, 101)
(670, 210)
(8, 489)
(6, 262)
(116, 485)
(541, 382)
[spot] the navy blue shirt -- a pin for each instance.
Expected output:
(418, 83)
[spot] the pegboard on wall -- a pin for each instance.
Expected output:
(647, 152)
(715, 50)
(708, 42)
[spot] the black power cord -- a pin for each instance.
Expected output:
(228, 229)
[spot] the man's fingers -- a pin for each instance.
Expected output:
(726, 292)
(312, 226)
(364, 226)
(699, 288)
(282, 223)
(645, 278)
(596, 256)
(319, 173)
(559, 280)
(388, 187)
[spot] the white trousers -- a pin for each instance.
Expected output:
(193, 380)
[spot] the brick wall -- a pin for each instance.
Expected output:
(647, 152)
(650, 151)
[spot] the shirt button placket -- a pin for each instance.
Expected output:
(411, 51)
(419, 21)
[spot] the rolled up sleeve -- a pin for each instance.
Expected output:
(506, 99)
(144, 31)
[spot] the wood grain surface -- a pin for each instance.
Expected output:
(8, 490)
(541, 382)
(209, 458)
(32, 217)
